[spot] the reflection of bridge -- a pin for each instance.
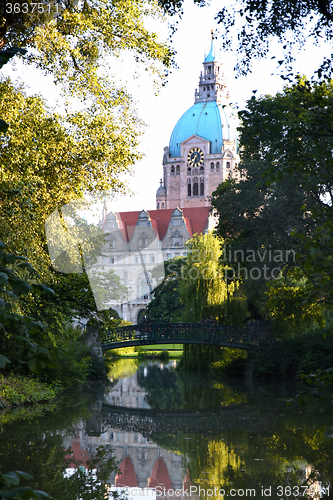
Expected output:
(206, 333)
(208, 422)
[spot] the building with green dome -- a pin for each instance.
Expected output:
(203, 147)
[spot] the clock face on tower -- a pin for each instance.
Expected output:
(195, 157)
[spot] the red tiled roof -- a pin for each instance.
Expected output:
(160, 475)
(127, 476)
(78, 454)
(195, 220)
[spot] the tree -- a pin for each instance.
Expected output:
(279, 214)
(48, 160)
(257, 24)
(250, 28)
(72, 40)
(166, 304)
(206, 286)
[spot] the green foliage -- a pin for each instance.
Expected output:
(205, 287)
(48, 162)
(16, 390)
(166, 304)
(72, 41)
(5, 55)
(252, 26)
(13, 478)
(18, 332)
(277, 219)
(294, 356)
(231, 362)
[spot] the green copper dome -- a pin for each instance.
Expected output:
(210, 120)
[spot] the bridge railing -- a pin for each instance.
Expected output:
(205, 332)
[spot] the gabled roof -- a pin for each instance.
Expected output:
(160, 475)
(196, 220)
(127, 476)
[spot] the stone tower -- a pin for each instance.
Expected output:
(203, 148)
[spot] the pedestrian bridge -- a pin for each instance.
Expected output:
(206, 332)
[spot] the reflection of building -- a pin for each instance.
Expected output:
(142, 462)
(202, 152)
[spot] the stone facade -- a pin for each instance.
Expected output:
(136, 246)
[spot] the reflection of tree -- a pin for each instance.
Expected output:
(277, 455)
(170, 389)
(35, 445)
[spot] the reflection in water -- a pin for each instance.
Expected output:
(173, 430)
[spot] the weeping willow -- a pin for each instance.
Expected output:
(205, 287)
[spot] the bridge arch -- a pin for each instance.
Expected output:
(206, 332)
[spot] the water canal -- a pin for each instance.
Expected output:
(173, 435)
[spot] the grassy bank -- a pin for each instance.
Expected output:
(172, 351)
(17, 390)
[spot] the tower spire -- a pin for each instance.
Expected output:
(212, 86)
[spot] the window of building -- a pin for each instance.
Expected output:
(177, 239)
(202, 186)
(218, 165)
(158, 205)
(105, 260)
(209, 70)
(111, 260)
(189, 188)
(212, 166)
(195, 188)
(204, 88)
(189, 170)
(202, 168)
(152, 258)
(178, 170)
(228, 164)
(172, 169)
(162, 204)
(112, 243)
(142, 288)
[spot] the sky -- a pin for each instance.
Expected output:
(161, 112)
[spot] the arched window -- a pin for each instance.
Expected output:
(204, 88)
(195, 186)
(162, 204)
(178, 170)
(218, 165)
(142, 288)
(172, 169)
(189, 170)
(158, 205)
(201, 168)
(209, 70)
(228, 164)
(212, 166)
(188, 189)
(202, 186)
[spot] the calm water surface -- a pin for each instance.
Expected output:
(173, 435)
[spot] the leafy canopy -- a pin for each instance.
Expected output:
(72, 40)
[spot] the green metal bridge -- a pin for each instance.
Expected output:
(206, 332)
